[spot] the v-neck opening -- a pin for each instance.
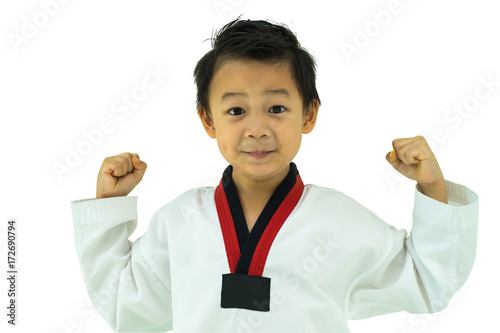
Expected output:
(248, 241)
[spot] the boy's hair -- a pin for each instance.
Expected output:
(257, 40)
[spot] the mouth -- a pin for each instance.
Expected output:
(259, 153)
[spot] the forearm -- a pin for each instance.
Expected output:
(443, 242)
(120, 281)
(436, 191)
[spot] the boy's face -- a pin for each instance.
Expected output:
(257, 117)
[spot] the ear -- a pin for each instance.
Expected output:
(310, 117)
(207, 122)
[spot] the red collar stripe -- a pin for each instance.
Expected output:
(263, 247)
(260, 256)
(227, 226)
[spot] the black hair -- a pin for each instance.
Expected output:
(257, 40)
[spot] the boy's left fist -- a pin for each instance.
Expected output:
(413, 158)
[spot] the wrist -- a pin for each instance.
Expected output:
(436, 191)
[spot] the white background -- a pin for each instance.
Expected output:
(65, 78)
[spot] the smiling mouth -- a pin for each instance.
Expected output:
(260, 153)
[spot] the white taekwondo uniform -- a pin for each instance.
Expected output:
(314, 259)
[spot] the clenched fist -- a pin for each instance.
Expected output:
(413, 158)
(119, 175)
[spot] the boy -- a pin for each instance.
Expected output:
(262, 251)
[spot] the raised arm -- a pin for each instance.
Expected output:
(121, 283)
(421, 272)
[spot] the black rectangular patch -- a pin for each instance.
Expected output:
(245, 292)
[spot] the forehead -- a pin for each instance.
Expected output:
(248, 74)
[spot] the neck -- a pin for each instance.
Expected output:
(258, 188)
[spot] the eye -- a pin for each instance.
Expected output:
(236, 111)
(277, 109)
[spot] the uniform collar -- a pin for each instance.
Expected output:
(247, 251)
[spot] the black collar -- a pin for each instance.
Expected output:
(248, 241)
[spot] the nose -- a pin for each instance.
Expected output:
(258, 125)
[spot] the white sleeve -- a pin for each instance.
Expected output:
(122, 285)
(421, 272)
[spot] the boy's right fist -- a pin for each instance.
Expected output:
(119, 175)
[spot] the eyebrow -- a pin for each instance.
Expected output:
(280, 91)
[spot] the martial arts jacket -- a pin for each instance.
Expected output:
(323, 257)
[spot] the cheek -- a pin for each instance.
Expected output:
(280, 126)
(227, 140)
(291, 137)
(222, 142)
(289, 130)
